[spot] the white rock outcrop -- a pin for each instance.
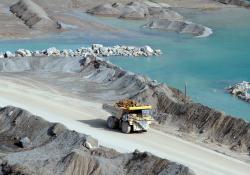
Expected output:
(95, 49)
(240, 90)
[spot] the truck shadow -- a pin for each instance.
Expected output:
(98, 123)
(102, 124)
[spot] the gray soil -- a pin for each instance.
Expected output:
(36, 18)
(101, 81)
(31, 145)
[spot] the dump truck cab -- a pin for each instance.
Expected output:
(139, 118)
(129, 118)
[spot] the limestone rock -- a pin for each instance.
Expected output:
(24, 142)
(90, 143)
(95, 50)
(8, 54)
(240, 90)
(147, 49)
(52, 52)
(1, 55)
(23, 53)
(37, 53)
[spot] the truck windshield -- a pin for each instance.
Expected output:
(146, 112)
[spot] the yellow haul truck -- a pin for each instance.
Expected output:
(129, 115)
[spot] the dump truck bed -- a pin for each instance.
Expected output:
(113, 110)
(119, 111)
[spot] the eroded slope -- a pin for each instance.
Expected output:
(31, 145)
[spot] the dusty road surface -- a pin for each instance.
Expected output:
(89, 118)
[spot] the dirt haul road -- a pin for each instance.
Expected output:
(89, 118)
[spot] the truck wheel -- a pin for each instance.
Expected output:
(112, 122)
(126, 128)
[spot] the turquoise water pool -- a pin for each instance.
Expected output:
(207, 65)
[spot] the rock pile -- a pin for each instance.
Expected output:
(180, 26)
(161, 17)
(96, 49)
(134, 10)
(33, 15)
(240, 90)
(127, 103)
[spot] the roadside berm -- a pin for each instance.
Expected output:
(31, 145)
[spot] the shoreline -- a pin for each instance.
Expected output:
(50, 83)
(58, 14)
(109, 76)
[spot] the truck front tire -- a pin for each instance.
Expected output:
(126, 128)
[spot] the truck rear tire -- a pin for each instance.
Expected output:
(112, 122)
(126, 128)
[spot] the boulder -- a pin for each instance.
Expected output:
(28, 53)
(104, 51)
(23, 53)
(96, 46)
(1, 55)
(88, 58)
(64, 53)
(23, 142)
(37, 53)
(240, 90)
(158, 52)
(71, 53)
(8, 54)
(52, 52)
(20, 52)
(147, 49)
(56, 129)
(90, 142)
(76, 54)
